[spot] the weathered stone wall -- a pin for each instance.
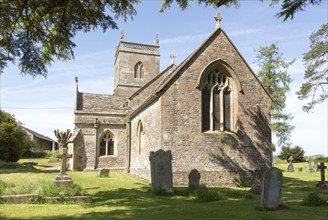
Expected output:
(150, 119)
(127, 56)
(220, 157)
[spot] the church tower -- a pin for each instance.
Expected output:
(135, 65)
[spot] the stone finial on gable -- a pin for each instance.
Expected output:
(122, 35)
(172, 56)
(218, 19)
(157, 39)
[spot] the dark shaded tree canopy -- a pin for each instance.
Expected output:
(34, 32)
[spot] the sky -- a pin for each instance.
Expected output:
(45, 104)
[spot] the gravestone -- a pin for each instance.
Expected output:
(309, 169)
(271, 188)
(300, 169)
(104, 173)
(62, 179)
(315, 166)
(290, 167)
(322, 184)
(194, 177)
(161, 170)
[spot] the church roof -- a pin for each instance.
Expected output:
(161, 86)
(36, 134)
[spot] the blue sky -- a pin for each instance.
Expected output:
(44, 105)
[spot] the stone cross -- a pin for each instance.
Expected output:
(122, 35)
(64, 156)
(218, 19)
(63, 179)
(290, 159)
(172, 56)
(309, 169)
(157, 39)
(322, 183)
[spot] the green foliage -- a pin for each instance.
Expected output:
(238, 194)
(316, 73)
(204, 194)
(12, 138)
(313, 199)
(3, 187)
(275, 79)
(35, 32)
(296, 152)
(321, 159)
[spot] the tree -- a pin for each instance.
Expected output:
(12, 138)
(296, 152)
(275, 79)
(316, 73)
(37, 31)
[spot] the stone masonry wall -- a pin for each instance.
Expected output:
(150, 119)
(220, 157)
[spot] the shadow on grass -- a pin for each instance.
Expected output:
(25, 169)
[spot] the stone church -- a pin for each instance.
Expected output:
(210, 111)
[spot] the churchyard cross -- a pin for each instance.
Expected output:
(322, 183)
(290, 167)
(309, 169)
(63, 179)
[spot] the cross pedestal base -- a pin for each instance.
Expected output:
(321, 185)
(63, 180)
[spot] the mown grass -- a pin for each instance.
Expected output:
(122, 196)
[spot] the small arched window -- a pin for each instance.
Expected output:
(107, 144)
(141, 137)
(138, 70)
(216, 101)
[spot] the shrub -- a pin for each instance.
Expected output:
(313, 199)
(12, 138)
(204, 194)
(3, 187)
(238, 194)
(30, 154)
(49, 189)
(296, 152)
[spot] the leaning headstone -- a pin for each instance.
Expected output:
(290, 167)
(271, 188)
(322, 184)
(309, 169)
(194, 177)
(161, 170)
(104, 173)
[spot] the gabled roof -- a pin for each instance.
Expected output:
(38, 135)
(161, 87)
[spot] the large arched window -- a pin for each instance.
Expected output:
(141, 137)
(216, 88)
(107, 144)
(138, 70)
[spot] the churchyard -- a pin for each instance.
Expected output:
(121, 196)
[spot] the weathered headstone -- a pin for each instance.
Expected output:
(63, 179)
(309, 169)
(194, 177)
(290, 167)
(300, 169)
(161, 170)
(322, 183)
(104, 173)
(271, 188)
(315, 166)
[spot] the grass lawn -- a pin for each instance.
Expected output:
(122, 196)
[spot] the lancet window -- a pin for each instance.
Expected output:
(138, 70)
(107, 144)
